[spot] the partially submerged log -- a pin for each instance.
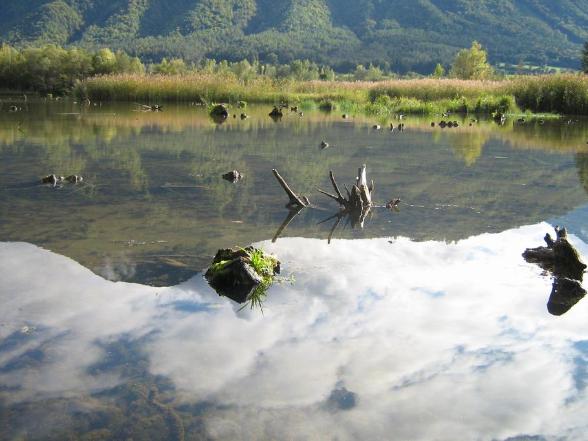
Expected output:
(561, 259)
(295, 200)
(559, 256)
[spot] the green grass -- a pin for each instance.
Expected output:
(562, 93)
(264, 265)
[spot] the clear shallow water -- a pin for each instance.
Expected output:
(427, 325)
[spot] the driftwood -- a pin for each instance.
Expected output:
(295, 200)
(558, 257)
(561, 259)
(355, 206)
(358, 202)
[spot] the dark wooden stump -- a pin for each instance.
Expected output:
(561, 259)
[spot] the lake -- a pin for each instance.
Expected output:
(425, 324)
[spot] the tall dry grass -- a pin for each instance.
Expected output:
(566, 94)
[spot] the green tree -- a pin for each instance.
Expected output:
(175, 66)
(471, 64)
(439, 71)
(104, 61)
(585, 58)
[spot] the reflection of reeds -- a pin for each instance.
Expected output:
(549, 93)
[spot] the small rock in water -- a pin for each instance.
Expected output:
(276, 113)
(345, 116)
(74, 179)
(52, 179)
(233, 176)
(433, 124)
(244, 116)
(376, 127)
(393, 203)
(324, 144)
(232, 273)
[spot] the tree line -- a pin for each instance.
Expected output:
(56, 70)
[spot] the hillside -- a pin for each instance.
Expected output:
(397, 34)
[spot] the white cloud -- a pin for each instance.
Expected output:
(436, 340)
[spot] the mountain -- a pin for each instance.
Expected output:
(401, 35)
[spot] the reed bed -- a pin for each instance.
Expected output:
(564, 94)
(429, 89)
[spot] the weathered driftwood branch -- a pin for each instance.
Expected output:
(295, 200)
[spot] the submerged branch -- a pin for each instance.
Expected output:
(295, 200)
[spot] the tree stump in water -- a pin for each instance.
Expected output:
(561, 259)
(359, 200)
(558, 257)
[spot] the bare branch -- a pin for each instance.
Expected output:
(294, 198)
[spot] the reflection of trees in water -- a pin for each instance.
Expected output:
(468, 145)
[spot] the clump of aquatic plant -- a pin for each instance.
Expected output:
(243, 274)
(264, 264)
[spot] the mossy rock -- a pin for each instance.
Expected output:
(220, 110)
(239, 273)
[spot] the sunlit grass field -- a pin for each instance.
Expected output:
(564, 94)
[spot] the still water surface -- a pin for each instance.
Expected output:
(425, 324)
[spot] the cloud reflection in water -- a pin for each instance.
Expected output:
(374, 340)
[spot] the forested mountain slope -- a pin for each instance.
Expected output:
(399, 34)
